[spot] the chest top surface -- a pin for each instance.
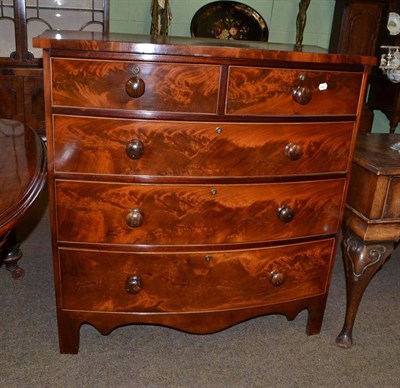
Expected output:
(199, 47)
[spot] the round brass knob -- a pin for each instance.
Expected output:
(133, 285)
(134, 218)
(285, 213)
(135, 149)
(293, 151)
(276, 278)
(135, 87)
(302, 95)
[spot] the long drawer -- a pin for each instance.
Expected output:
(192, 282)
(117, 213)
(190, 149)
(269, 91)
(127, 85)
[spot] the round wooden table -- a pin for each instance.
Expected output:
(22, 176)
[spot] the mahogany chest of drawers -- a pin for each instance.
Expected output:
(193, 183)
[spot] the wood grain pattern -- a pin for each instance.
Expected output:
(217, 147)
(11, 90)
(374, 185)
(201, 47)
(21, 95)
(186, 282)
(392, 205)
(374, 153)
(34, 103)
(367, 192)
(372, 230)
(22, 171)
(189, 149)
(191, 214)
(371, 220)
(168, 87)
(268, 91)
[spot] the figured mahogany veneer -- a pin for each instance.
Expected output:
(164, 86)
(204, 281)
(196, 214)
(264, 91)
(87, 145)
(194, 183)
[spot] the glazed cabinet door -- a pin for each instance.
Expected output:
(11, 97)
(21, 80)
(34, 102)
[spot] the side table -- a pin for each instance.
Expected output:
(22, 176)
(371, 219)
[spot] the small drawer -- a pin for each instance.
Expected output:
(190, 149)
(117, 213)
(125, 85)
(192, 282)
(270, 91)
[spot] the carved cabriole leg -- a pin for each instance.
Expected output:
(361, 261)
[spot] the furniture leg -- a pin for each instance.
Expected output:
(315, 317)
(11, 262)
(12, 254)
(68, 334)
(361, 260)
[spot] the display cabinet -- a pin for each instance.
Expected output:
(359, 27)
(21, 80)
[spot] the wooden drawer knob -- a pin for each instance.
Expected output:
(302, 95)
(135, 87)
(135, 149)
(276, 278)
(133, 285)
(293, 151)
(285, 213)
(134, 218)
